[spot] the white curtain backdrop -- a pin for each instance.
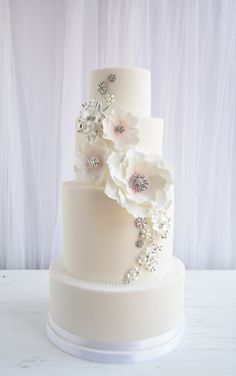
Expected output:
(47, 49)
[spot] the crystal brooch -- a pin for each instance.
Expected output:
(138, 183)
(149, 259)
(141, 222)
(109, 98)
(94, 162)
(132, 275)
(112, 77)
(102, 87)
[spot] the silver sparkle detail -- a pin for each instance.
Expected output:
(102, 87)
(132, 275)
(141, 222)
(161, 223)
(89, 123)
(150, 243)
(138, 182)
(149, 259)
(94, 162)
(148, 235)
(119, 129)
(143, 234)
(111, 77)
(139, 243)
(109, 98)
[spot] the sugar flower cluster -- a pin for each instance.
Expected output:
(109, 156)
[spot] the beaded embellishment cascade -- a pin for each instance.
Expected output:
(153, 231)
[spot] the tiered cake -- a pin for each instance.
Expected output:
(117, 293)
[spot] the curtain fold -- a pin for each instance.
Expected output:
(47, 49)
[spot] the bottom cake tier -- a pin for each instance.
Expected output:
(116, 323)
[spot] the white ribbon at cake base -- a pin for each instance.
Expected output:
(115, 352)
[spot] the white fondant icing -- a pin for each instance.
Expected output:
(103, 312)
(132, 88)
(151, 134)
(100, 236)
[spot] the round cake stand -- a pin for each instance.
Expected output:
(115, 352)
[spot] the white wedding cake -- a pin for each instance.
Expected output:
(117, 293)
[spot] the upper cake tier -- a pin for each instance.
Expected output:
(131, 88)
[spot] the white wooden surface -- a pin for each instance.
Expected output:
(208, 347)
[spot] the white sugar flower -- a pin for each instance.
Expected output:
(121, 128)
(138, 182)
(91, 162)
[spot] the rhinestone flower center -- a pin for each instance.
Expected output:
(94, 162)
(138, 182)
(119, 128)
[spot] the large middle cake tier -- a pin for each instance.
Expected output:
(100, 237)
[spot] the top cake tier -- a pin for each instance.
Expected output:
(131, 88)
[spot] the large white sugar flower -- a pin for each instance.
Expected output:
(91, 162)
(120, 127)
(138, 182)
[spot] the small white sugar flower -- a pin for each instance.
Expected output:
(91, 162)
(120, 127)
